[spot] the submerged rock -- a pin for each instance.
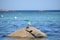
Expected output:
(28, 32)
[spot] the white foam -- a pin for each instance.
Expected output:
(15, 17)
(2, 16)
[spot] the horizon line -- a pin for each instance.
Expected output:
(31, 10)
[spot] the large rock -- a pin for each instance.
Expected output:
(29, 32)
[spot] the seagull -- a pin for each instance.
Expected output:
(29, 23)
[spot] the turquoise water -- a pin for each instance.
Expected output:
(47, 22)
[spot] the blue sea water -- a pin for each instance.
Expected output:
(47, 22)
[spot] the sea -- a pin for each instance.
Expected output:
(47, 22)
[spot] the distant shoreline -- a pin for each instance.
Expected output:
(30, 11)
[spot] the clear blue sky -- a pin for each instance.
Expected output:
(30, 4)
